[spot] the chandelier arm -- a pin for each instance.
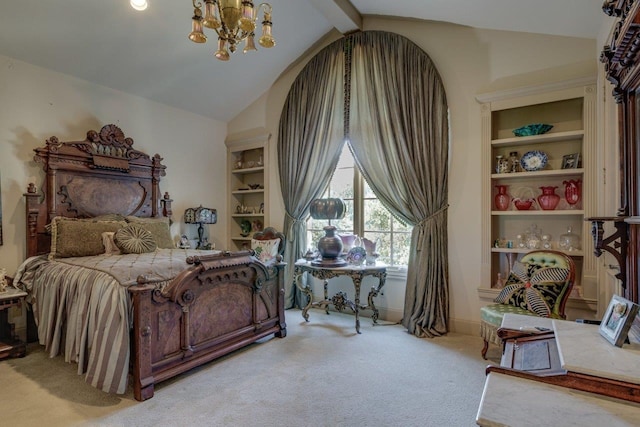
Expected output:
(196, 4)
(267, 7)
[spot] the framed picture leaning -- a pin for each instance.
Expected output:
(617, 320)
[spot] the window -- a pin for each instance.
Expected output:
(366, 216)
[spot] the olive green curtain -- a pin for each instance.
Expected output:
(399, 135)
(310, 139)
(397, 126)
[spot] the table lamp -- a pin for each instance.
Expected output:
(200, 216)
(330, 245)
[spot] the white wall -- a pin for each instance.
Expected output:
(470, 61)
(36, 103)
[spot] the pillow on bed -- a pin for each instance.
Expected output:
(110, 247)
(158, 227)
(72, 237)
(266, 250)
(134, 239)
(106, 217)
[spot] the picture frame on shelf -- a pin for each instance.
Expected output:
(617, 320)
(571, 161)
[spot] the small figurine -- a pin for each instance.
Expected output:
(184, 242)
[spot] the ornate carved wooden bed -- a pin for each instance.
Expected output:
(218, 303)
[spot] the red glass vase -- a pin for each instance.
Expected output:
(548, 200)
(572, 192)
(502, 199)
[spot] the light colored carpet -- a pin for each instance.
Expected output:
(321, 374)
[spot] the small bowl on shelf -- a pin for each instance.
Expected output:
(532, 129)
(523, 204)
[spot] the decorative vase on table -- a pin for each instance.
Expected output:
(548, 200)
(502, 199)
(572, 192)
(330, 247)
(349, 240)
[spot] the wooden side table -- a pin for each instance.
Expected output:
(10, 344)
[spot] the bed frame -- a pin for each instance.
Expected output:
(218, 304)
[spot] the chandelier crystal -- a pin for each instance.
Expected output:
(233, 21)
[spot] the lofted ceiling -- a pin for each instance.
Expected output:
(148, 53)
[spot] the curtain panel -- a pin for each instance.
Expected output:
(399, 135)
(310, 138)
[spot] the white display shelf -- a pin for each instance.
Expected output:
(538, 139)
(538, 174)
(526, 251)
(576, 212)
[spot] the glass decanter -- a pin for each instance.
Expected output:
(569, 241)
(514, 162)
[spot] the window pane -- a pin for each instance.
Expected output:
(401, 246)
(345, 224)
(368, 193)
(342, 184)
(399, 226)
(376, 217)
(392, 238)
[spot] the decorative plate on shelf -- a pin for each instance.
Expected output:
(533, 160)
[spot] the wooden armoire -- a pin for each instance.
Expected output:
(621, 58)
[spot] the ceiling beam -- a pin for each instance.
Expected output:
(340, 13)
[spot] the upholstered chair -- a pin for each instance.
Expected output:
(538, 285)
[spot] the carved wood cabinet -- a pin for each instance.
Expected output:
(621, 57)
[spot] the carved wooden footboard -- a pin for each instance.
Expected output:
(219, 305)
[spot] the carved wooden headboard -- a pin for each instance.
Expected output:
(101, 175)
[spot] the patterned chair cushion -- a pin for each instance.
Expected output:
(535, 288)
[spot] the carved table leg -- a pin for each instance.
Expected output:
(297, 279)
(326, 295)
(374, 293)
(357, 280)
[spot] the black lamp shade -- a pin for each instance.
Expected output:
(331, 208)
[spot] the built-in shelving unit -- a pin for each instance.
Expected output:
(571, 111)
(247, 187)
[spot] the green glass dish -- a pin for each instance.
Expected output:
(532, 129)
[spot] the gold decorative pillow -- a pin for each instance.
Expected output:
(266, 250)
(158, 227)
(134, 239)
(72, 237)
(106, 217)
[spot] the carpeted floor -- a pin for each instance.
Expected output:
(321, 374)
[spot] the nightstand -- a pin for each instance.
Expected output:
(10, 344)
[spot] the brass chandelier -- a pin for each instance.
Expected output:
(233, 21)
